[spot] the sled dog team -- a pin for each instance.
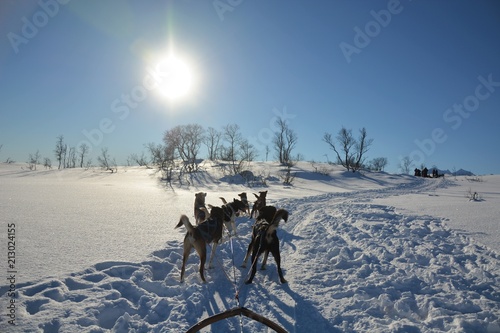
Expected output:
(211, 221)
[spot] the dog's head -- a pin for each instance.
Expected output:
(262, 195)
(216, 213)
(238, 205)
(243, 196)
(200, 197)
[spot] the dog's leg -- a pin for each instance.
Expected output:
(233, 226)
(253, 269)
(248, 254)
(264, 261)
(201, 249)
(275, 250)
(254, 210)
(256, 252)
(212, 254)
(187, 250)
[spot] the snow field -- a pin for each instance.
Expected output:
(354, 258)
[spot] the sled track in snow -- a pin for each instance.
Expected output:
(365, 266)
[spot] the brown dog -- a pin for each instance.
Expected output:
(199, 236)
(199, 202)
(265, 240)
(259, 203)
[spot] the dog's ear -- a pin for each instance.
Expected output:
(205, 194)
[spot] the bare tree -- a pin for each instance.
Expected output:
(346, 142)
(248, 151)
(60, 151)
(33, 160)
(284, 141)
(290, 142)
(71, 158)
(350, 152)
(194, 137)
(362, 146)
(378, 163)
(212, 141)
(82, 152)
(187, 141)
(47, 163)
(405, 164)
(139, 160)
(234, 138)
(164, 158)
(106, 162)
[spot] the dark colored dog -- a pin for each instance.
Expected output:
(265, 240)
(199, 236)
(259, 203)
(244, 199)
(199, 202)
(265, 213)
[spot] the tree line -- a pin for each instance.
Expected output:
(181, 149)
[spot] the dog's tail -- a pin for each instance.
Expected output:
(281, 214)
(185, 220)
(223, 200)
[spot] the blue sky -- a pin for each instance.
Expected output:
(423, 77)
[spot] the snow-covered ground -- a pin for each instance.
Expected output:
(98, 252)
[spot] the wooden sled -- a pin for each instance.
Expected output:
(234, 312)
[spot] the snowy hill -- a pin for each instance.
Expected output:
(460, 172)
(98, 252)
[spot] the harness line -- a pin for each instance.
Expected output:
(238, 310)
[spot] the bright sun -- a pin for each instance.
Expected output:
(174, 77)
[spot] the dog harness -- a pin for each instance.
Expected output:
(228, 212)
(209, 229)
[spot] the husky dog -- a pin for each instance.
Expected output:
(265, 240)
(199, 202)
(209, 231)
(244, 199)
(259, 203)
(231, 211)
(265, 213)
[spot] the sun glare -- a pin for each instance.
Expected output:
(174, 77)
